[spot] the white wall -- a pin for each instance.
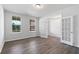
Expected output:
(55, 27)
(43, 27)
(1, 28)
(56, 24)
(25, 33)
(71, 11)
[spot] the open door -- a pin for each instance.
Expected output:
(67, 30)
(43, 28)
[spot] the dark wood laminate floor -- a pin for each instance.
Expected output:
(38, 45)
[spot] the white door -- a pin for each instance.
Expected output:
(43, 28)
(67, 30)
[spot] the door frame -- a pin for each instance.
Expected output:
(66, 42)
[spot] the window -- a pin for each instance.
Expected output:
(16, 24)
(32, 25)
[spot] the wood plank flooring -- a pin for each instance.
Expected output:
(38, 45)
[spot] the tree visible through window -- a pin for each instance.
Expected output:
(16, 24)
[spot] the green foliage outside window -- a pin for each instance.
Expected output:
(16, 24)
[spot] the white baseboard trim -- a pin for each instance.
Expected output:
(70, 45)
(76, 46)
(1, 46)
(56, 35)
(20, 38)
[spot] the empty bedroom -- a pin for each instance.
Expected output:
(39, 28)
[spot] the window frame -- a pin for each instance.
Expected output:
(31, 25)
(19, 25)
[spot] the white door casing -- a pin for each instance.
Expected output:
(67, 30)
